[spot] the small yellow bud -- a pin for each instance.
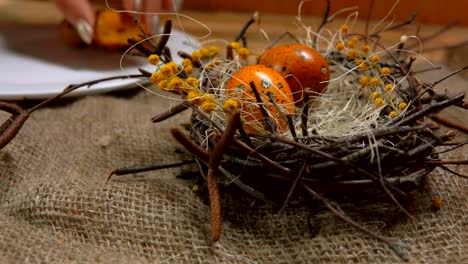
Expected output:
(192, 82)
(352, 54)
(153, 59)
(375, 95)
(163, 84)
(204, 52)
(244, 53)
(365, 48)
(155, 77)
(339, 46)
(188, 69)
(378, 101)
(174, 67)
(230, 105)
(374, 58)
(393, 114)
(385, 71)
(207, 106)
(194, 97)
(186, 62)
(166, 71)
(364, 81)
(374, 82)
(214, 50)
(175, 83)
(196, 55)
(350, 44)
(363, 67)
(235, 45)
(344, 28)
(402, 106)
(388, 87)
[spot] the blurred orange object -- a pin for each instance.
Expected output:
(111, 31)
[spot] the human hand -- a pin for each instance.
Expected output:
(82, 16)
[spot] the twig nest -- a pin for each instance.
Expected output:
(274, 97)
(301, 66)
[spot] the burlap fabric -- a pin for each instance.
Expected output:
(55, 204)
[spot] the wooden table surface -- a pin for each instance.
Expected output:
(225, 25)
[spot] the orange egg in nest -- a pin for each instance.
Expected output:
(301, 66)
(273, 90)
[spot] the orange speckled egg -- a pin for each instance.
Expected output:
(301, 65)
(273, 90)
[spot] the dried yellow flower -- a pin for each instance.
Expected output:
(344, 28)
(230, 105)
(402, 105)
(385, 71)
(378, 101)
(339, 46)
(365, 48)
(364, 81)
(352, 54)
(235, 45)
(244, 53)
(388, 87)
(153, 59)
(374, 58)
(393, 114)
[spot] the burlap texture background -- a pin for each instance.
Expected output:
(55, 205)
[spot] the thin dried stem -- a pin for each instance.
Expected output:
(395, 246)
(188, 144)
(213, 164)
(170, 113)
(241, 34)
(10, 128)
(452, 171)
(449, 123)
(138, 169)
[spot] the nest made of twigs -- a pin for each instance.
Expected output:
(368, 133)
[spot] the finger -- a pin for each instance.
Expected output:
(81, 15)
(76, 9)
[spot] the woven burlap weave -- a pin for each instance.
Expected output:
(55, 204)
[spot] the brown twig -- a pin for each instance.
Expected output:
(305, 113)
(395, 246)
(429, 109)
(452, 171)
(454, 162)
(248, 151)
(10, 128)
(170, 113)
(137, 169)
(191, 147)
(335, 159)
(448, 76)
(241, 34)
(409, 21)
(299, 176)
(213, 164)
(73, 87)
(266, 117)
(449, 123)
(323, 22)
